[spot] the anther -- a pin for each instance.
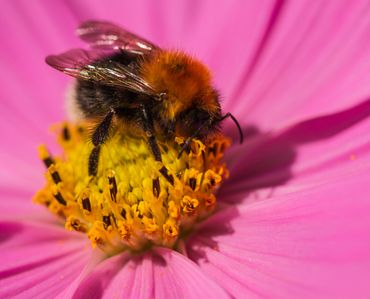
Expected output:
(114, 219)
(193, 183)
(123, 213)
(48, 161)
(54, 174)
(76, 224)
(112, 186)
(189, 204)
(66, 135)
(45, 156)
(170, 229)
(167, 176)
(106, 222)
(156, 187)
(86, 204)
(73, 223)
(58, 196)
(85, 200)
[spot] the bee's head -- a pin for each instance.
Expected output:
(199, 119)
(182, 79)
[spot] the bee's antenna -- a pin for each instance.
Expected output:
(241, 136)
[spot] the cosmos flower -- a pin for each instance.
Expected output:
(292, 219)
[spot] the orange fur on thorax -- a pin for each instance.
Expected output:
(183, 78)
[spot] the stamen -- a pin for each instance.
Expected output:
(170, 229)
(45, 156)
(54, 174)
(121, 197)
(106, 221)
(58, 196)
(84, 201)
(189, 204)
(65, 133)
(156, 187)
(168, 177)
(112, 185)
(192, 183)
(86, 204)
(73, 223)
(123, 213)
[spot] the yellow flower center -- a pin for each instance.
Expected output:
(129, 204)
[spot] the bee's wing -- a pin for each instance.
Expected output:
(105, 35)
(90, 65)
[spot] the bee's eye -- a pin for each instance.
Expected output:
(200, 118)
(193, 120)
(196, 117)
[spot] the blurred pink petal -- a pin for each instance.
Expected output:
(306, 244)
(161, 274)
(13, 206)
(31, 256)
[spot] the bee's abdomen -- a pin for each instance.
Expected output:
(93, 99)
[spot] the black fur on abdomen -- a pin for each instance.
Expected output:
(96, 100)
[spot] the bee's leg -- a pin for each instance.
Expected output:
(186, 144)
(147, 122)
(99, 136)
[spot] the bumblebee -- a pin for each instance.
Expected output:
(125, 77)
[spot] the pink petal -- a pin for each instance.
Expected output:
(175, 276)
(302, 156)
(161, 274)
(121, 276)
(96, 257)
(16, 204)
(313, 60)
(39, 260)
(306, 244)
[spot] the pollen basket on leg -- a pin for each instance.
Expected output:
(129, 204)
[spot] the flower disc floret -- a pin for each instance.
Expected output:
(129, 204)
